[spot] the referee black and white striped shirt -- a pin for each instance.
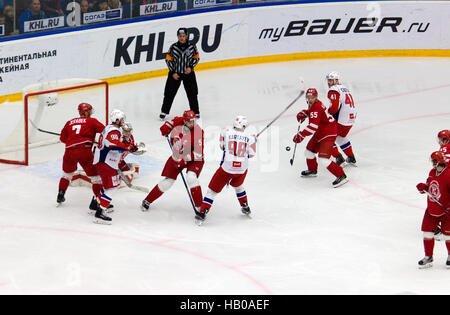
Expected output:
(182, 56)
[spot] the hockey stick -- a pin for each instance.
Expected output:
(182, 177)
(435, 200)
(295, 147)
(130, 185)
(285, 110)
(44, 131)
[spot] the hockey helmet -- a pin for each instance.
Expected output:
(444, 136)
(240, 122)
(333, 76)
(438, 157)
(312, 92)
(85, 109)
(189, 115)
(117, 115)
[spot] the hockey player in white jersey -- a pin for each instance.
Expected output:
(107, 156)
(238, 146)
(342, 107)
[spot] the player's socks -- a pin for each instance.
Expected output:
(196, 193)
(63, 184)
(428, 244)
(154, 194)
(312, 164)
(335, 152)
(348, 149)
(335, 169)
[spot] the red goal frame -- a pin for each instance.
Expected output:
(25, 162)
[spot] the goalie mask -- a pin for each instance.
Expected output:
(127, 131)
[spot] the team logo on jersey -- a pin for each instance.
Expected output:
(434, 189)
(237, 164)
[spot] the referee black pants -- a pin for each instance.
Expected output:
(171, 89)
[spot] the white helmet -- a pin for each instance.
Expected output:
(117, 115)
(240, 122)
(333, 76)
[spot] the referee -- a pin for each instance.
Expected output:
(181, 60)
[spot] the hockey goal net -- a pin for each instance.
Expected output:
(37, 120)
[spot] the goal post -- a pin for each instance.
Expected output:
(37, 120)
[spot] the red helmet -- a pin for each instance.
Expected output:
(444, 135)
(311, 92)
(84, 109)
(189, 115)
(439, 157)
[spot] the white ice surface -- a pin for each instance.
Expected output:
(305, 237)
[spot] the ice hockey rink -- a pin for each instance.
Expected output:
(305, 237)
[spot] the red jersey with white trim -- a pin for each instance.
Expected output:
(446, 150)
(110, 147)
(238, 146)
(342, 105)
(187, 144)
(320, 122)
(81, 130)
(439, 188)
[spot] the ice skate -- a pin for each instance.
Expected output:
(200, 217)
(162, 117)
(60, 198)
(101, 218)
(340, 160)
(246, 209)
(341, 180)
(309, 173)
(145, 205)
(93, 206)
(447, 264)
(427, 262)
(351, 161)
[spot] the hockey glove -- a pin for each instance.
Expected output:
(133, 148)
(302, 116)
(422, 188)
(298, 138)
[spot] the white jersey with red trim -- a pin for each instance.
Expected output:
(110, 147)
(346, 113)
(238, 147)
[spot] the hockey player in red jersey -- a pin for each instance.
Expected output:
(444, 143)
(238, 147)
(78, 135)
(437, 187)
(187, 138)
(106, 160)
(322, 128)
(342, 107)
